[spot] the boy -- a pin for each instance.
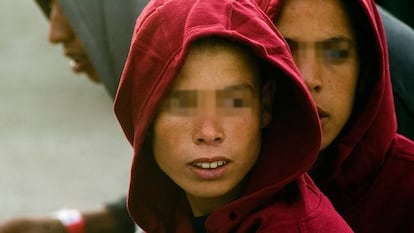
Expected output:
(221, 125)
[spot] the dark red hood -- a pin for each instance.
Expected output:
(159, 45)
(362, 147)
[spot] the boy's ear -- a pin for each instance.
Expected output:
(268, 92)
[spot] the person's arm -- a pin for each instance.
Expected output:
(99, 221)
(121, 216)
(102, 221)
(32, 225)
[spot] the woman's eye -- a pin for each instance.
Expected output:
(337, 50)
(293, 45)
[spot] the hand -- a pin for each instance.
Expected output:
(32, 225)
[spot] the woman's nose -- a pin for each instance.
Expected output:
(310, 68)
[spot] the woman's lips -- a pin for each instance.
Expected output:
(323, 116)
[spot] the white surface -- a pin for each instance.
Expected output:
(60, 145)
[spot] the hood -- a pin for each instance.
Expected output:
(105, 28)
(160, 42)
(361, 148)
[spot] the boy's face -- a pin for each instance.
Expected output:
(60, 31)
(207, 133)
(322, 43)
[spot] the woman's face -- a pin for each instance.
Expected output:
(322, 42)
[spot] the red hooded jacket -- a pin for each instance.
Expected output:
(277, 196)
(371, 180)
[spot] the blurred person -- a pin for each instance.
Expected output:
(365, 167)
(95, 36)
(92, 36)
(222, 126)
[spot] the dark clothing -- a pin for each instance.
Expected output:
(199, 224)
(400, 40)
(368, 171)
(402, 9)
(277, 195)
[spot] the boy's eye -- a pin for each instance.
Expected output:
(193, 102)
(336, 50)
(182, 102)
(183, 99)
(229, 102)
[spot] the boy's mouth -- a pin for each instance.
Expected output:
(210, 168)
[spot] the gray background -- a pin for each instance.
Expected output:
(60, 145)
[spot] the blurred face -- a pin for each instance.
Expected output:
(323, 46)
(60, 31)
(207, 133)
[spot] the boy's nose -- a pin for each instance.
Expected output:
(59, 28)
(207, 132)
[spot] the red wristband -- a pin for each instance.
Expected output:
(72, 220)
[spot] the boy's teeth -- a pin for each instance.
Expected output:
(212, 165)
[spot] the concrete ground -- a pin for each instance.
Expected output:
(60, 145)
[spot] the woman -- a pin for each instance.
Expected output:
(364, 166)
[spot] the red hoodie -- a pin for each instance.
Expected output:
(371, 180)
(277, 196)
